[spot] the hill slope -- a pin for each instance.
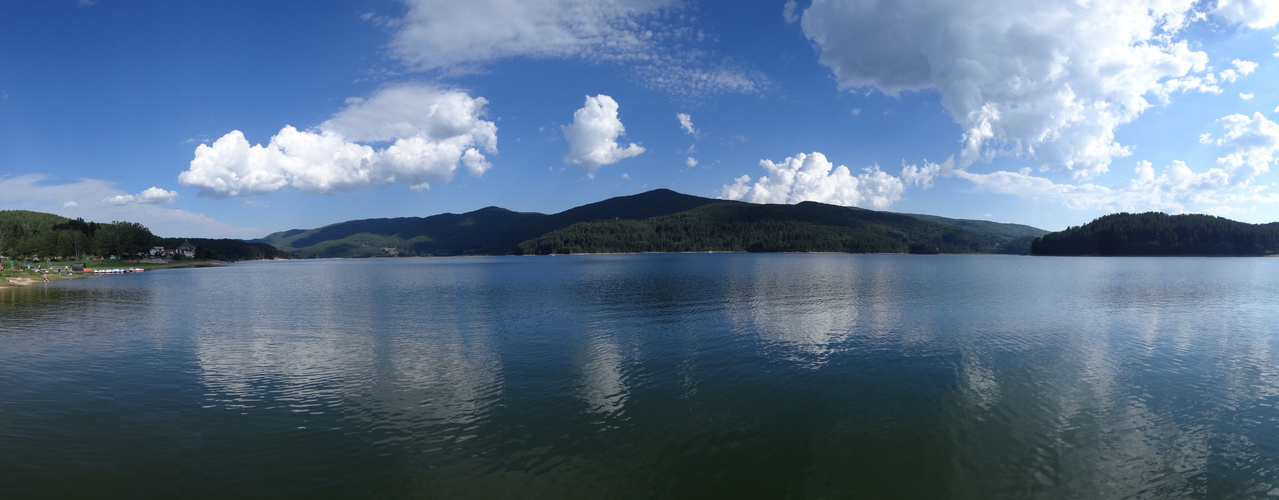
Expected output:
(25, 234)
(486, 231)
(659, 220)
(736, 226)
(1154, 233)
(1008, 238)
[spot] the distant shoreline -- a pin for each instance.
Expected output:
(28, 279)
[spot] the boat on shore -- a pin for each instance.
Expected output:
(113, 271)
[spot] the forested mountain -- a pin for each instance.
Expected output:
(806, 227)
(1009, 238)
(1154, 233)
(25, 234)
(657, 221)
(486, 231)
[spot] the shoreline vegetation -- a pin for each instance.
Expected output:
(15, 278)
(36, 246)
(1155, 234)
(658, 221)
(663, 221)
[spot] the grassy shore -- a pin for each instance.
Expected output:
(13, 277)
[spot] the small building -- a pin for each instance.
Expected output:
(186, 250)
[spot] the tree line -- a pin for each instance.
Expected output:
(1154, 233)
(762, 228)
(35, 235)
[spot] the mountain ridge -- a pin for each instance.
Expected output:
(495, 230)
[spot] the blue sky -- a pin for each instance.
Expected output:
(242, 118)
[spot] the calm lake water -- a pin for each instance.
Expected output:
(648, 376)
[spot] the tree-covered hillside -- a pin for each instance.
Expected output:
(1012, 238)
(1155, 233)
(736, 227)
(36, 235)
(657, 221)
(487, 231)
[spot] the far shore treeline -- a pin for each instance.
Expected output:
(1154, 234)
(29, 235)
(657, 221)
(665, 221)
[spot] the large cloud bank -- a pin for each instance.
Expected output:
(811, 177)
(429, 133)
(592, 137)
(1255, 144)
(1049, 80)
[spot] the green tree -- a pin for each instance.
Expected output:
(123, 238)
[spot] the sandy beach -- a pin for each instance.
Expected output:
(21, 281)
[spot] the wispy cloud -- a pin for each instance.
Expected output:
(645, 35)
(100, 201)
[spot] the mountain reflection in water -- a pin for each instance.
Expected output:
(637, 376)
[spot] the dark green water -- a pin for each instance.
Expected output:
(649, 376)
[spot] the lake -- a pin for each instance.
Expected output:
(648, 376)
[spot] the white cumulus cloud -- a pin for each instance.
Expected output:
(686, 123)
(1068, 74)
(424, 134)
(811, 177)
(1255, 140)
(923, 176)
(150, 195)
(592, 137)
(1255, 14)
(691, 162)
(1245, 67)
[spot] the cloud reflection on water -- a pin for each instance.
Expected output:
(392, 362)
(1115, 381)
(807, 308)
(602, 385)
